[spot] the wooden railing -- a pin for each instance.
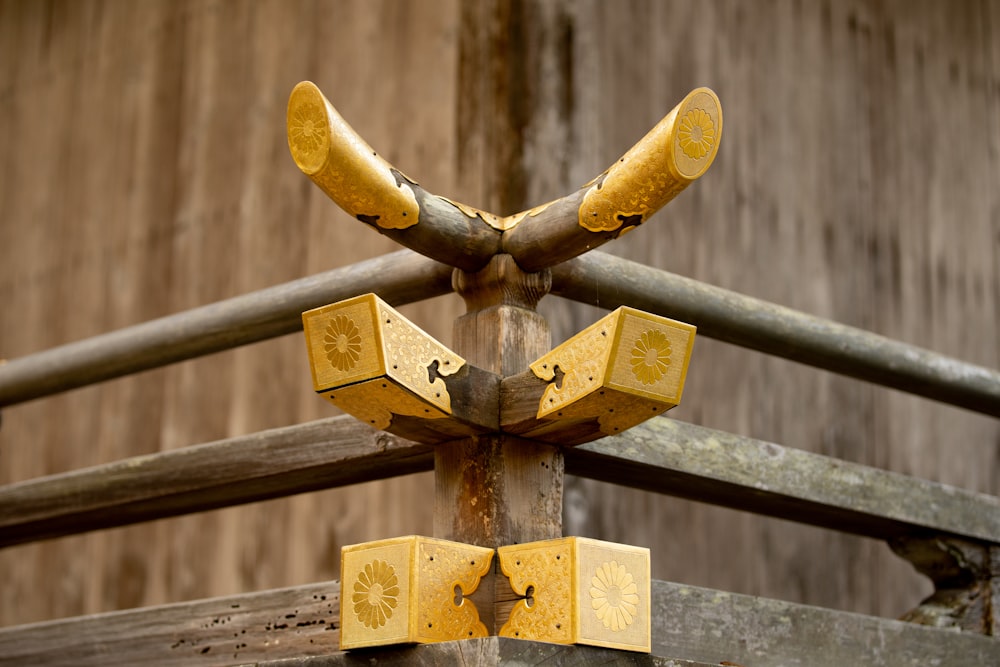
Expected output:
(928, 522)
(502, 266)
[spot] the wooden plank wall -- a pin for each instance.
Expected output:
(144, 170)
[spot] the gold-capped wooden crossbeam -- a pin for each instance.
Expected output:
(373, 363)
(676, 152)
(408, 590)
(620, 371)
(576, 590)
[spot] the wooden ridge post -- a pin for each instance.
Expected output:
(498, 489)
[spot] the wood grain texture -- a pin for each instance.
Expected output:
(672, 457)
(290, 622)
(297, 627)
(270, 464)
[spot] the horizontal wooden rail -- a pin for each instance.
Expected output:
(300, 624)
(679, 459)
(607, 281)
(281, 462)
(662, 455)
(400, 277)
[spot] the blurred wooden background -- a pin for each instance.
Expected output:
(144, 170)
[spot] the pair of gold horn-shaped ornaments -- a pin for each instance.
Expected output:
(678, 150)
(374, 364)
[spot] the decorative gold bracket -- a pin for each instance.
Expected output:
(373, 363)
(408, 590)
(577, 590)
(618, 372)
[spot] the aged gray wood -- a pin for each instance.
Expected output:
(672, 457)
(446, 234)
(712, 626)
(487, 652)
(608, 281)
(269, 464)
(399, 278)
(688, 624)
(290, 622)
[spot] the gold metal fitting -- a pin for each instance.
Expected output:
(373, 363)
(579, 591)
(409, 590)
(622, 370)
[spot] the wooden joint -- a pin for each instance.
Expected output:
(575, 590)
(373, 363)
(966, 577)
(409, 590)
(617, 373)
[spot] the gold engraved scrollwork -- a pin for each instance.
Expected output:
(581, 362)
(678, 150)
(548, 573)
(344, 166)
(443, 568)
(410, 356)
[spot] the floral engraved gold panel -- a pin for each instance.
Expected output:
(678, 150)
(410, 590)
(373, 363)
(696, 135)
(651, 356)
(376, 594)
(339, 161)
(614, 596)
(376, 589)
(576, 367)
(622, 370)
(579, 590)
(343, 343)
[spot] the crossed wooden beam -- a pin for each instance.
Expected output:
(378, 366)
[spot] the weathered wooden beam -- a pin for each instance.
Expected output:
(676, 152)
(489, 652)
(713, 626)
(688, 461)
(607, 281)
(691, 627)
(270, 464)
(370, 189)
(284, 623)
(399, 278)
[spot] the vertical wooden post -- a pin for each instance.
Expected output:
(498, 489)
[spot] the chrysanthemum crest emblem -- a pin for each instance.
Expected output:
(375, 594)
(343, 343)
(306, 129)
(696, 134)
(650, 356)
(614, 596)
